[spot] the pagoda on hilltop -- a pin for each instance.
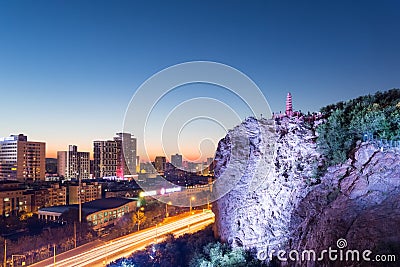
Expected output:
(289, 109)
(289, 105)
(290, 113)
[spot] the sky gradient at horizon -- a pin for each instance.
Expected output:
(68, 69)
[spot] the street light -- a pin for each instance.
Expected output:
(79, 198)
(5, 253)
(190, 201)
(166, 208)
(54, 255)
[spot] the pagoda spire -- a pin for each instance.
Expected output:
(289, 106)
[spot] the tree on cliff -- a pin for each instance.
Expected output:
(346, 123)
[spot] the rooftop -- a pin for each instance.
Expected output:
(106, 203)
(58, 209)
(92, 206)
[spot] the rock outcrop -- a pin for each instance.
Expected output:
(257, 211)
(358, 201)
(277, 203)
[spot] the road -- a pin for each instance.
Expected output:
(124, 246)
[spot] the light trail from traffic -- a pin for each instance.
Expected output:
(119, 247)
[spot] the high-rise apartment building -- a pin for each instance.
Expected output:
(73, 164)
(115, 158)
(106, 158)
(128, 152)
(21, 159)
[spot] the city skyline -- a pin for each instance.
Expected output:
(68, 70)
(169, 158)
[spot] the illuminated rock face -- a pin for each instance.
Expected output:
(257, 212)
(276, 205)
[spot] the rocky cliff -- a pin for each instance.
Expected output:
(257, 211)
(358, 201)
(276, 203)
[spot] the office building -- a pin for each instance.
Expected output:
(176, 160)
(21, 159)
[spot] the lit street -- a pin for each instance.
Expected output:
(102, 253)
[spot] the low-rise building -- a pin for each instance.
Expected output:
(57, 195)
(106, 211)
(12, 198)
(47, 196)
(98, 213)
(89, 192)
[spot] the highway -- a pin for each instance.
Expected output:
(124, 246)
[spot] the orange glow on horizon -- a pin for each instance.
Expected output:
(191, 157)
(51, 154)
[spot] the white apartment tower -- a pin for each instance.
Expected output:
(73, 164)
(21, 159)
